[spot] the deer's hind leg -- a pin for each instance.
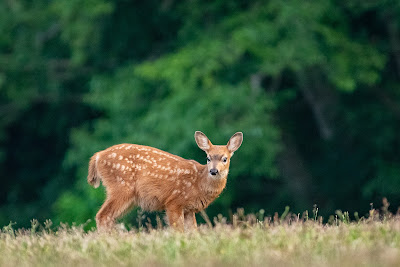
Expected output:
(114, 207)
(190, 221)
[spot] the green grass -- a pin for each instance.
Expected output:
(288, 241)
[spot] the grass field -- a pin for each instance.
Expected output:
(246, 241)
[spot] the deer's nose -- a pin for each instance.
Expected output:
(213, 171)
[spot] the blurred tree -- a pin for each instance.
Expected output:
(39, 103)
(238, 65)
(314, 86)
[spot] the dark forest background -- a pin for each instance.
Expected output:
(313, 85)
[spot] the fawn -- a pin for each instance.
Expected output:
(156, 180)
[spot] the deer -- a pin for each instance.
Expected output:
(155, 180)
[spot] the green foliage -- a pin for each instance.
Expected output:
(314, 86)
(83, 24)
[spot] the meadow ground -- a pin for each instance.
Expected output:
(246, 241)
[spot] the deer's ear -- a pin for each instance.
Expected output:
(202, 141)
(235, 142)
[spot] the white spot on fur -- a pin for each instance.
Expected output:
(120, 157)
(122, 167)
(194, 167)
(113, 155)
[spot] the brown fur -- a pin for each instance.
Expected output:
(156, 180)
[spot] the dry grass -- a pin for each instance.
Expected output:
(288, 241)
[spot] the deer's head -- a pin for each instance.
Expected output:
(218, 157)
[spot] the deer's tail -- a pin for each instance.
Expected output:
(93, 176)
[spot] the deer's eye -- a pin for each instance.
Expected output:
(224, 159)
(208, 159)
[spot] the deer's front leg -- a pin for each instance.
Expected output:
(190, 221)
(175, 218)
